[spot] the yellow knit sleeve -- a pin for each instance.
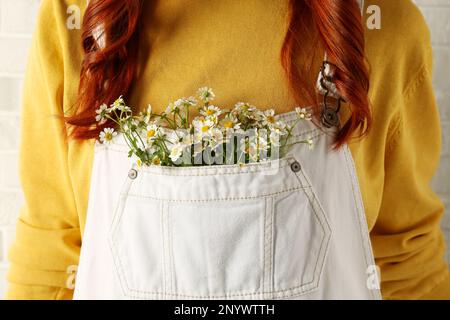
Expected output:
(48, 236)
(408, 243)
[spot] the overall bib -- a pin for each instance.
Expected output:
(293, 228)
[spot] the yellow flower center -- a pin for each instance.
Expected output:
(150, 133)
(205, 128)
(228, 124)
(270, 119)
(210, 112)
(156, 161)
(108, 136)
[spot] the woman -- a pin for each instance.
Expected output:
(156, 51)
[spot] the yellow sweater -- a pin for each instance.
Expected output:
(233, 47)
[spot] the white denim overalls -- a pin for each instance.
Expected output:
(288, 229)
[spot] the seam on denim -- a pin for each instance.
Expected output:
(117, 260)
(166, 248)
(218, 169)
(299, 138)
(218, 199)
(117, 216)
(263, 276)
(360, 215)
(312, 197)
(268, 252)
(171, 259)
(272, 241)
(356, 206)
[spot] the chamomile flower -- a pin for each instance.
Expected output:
(182, 136)
(262, 144)
(230, 123)
(185, 102)
(216, 137)
(203, 126)
(120, 105)
(101, 113)
(280, 127)
(244, 107)
(107, 135)
(174, 137)
(214, 119)
(176, 150)
(303, 113)
(152, 131)
(156, 161)
(211, 111)
(126, 109)
(274, 138)
(172, 108)
(145, 116)
(191, 101)
(187, 140)
(268, 117)
(206, 94)
(118, 102)
(179, 103)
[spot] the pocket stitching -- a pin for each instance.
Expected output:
(219, 199)
(117, 260)
(247, 168)
(314, 201)
(117, 217)
(299, 289)
(306, 287)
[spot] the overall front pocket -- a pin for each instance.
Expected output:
(222, 232)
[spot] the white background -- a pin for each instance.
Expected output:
(17, 19)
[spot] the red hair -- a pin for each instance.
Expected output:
(336, 26)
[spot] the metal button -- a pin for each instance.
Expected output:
(330, 118)
(295, 166)
(132, 174)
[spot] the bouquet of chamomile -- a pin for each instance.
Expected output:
(215, 136)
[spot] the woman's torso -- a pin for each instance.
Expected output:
(237, 56)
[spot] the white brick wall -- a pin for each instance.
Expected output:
(437, 13)
(16, 23)
(17, 19)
